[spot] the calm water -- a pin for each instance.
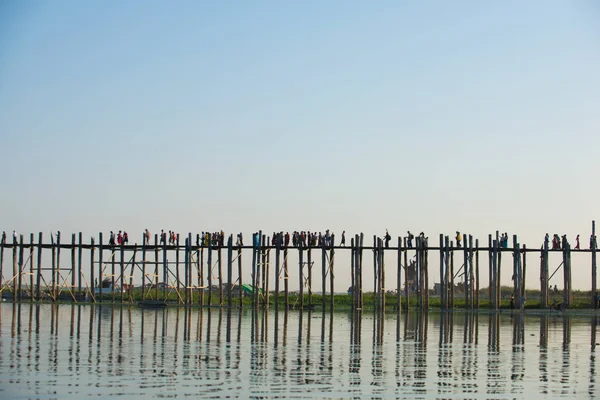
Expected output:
(60, 352)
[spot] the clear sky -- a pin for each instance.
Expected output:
(431, 116)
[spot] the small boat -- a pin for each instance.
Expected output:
(152, 304)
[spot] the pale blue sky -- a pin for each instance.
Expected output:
(432, 116)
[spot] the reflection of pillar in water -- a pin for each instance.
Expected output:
(566, 362)
(592, 379)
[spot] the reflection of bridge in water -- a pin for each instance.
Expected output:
(445, 349)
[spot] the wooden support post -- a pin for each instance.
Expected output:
(165, 271)
(594, 299)
(38, 278)
(331, 274)
(398, 278)
(375, 273)
(286, 277)
(491, 272)
(426, 265)
(31, 250)
(229, 271)
(477, 274)
(113, 253)
(79, 261)
(569, 275)
(177, 275)
(144, 276)
(471, 275)
(73, 267)
(209, 269)
(92, 270)
(466, 278)
(544, 274)
(240, 281)
(220, 264)
(323, 276)
(156, 264)
(130, 290)
(524, 268)
(278, 240)
(99, 266)
(418, 273)
(498, 272)
(300, 273)
(309, 272)
(190, 270)
(516, 296)
(382, 276)
(53, 271)
(406, 285)
(267, 274)
(442, 280)
(353, 274)
(20, 271)
(58, 276)
(201, 270)
(360, 278)
(2, 243)
(122, 272)
(451, 305)
(186, 269)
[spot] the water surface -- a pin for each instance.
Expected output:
(73, 351)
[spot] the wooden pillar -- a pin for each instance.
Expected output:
(219, 253)
(323, 277)
(309, 265)
(73, 267)
(2, 243)
(267, 273)
(92, 271)
(130, 290)
(229, 271)
(331, 274)
(491, 272)
(209, 269)
(382, 276)
(38, 279)
(418, 274)
(426, 265)
(122, 268)
(545, 277)
(240, 281)
(498, 272)
(113, 253)
(594, 271)
(201, 271)
(286, 279)
(466, 270)
(186, 269)
(494, 286)
(406, 286)
(99, 265)
(31, 250)
(451, 305)
(516, 284)
(375, 272)
(20, 270)
(79, 261)
(144, 276)
(300, 277)
(569, 285)
(278, 239)
(53, 267)
(442, 280)
(353, 275)
(398, 278)
(524, 267)
(177, 275)
(360, 268)
(156, 242)
(477, 274)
